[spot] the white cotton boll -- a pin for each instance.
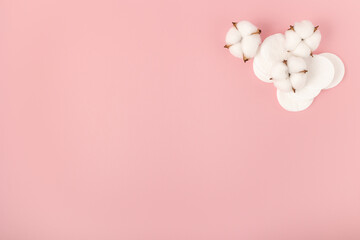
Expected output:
(283, 85)
(304, 28)
(246, 28)
(233, 36)
(279, 71)
(273, 48)
(290, 102)
(292, 40)
(236, 50)
(298, 80)
(250, 45)
(302, 50)
(314, 40)
(296, 64)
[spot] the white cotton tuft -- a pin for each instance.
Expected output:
(298, 80)
(246, 28)
(292, 40)
(236, 50)
(314, 40)
(279, 71)
(233, 36)
(273, 48)
(296, 64)
(283, 85)
(304, 28)
(302, 50)
(250, 45)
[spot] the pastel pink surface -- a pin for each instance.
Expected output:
(128, 120)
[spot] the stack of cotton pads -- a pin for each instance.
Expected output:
(287, 60)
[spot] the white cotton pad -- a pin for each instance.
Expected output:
(307, 92)
(338, 66)
(262, 68)
(290, 102)
(321, 72)
(273, 48)
(233, 36)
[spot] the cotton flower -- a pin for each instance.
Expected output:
(243, 40)
(290, 74)
(302, 38)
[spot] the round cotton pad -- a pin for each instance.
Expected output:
(321, 72)
(273, 48)
(290, 102)
(307, 92)
(262, 68)
(339, 68)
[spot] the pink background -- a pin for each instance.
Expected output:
(128, 120)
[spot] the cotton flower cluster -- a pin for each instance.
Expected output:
(287, 60)
(243, 40)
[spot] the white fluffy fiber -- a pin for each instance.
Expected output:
(243, 40)
(298, 80)
(292, 40)
(246, 28)
(236, 50)
(302, 38)
(314, 40)
(233, 36)
(304, 28)
(283, 84)
(250, 45)
(290, 74)
(296, 64)
(279, 71)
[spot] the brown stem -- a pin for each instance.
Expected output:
(257, 32)
(316, 28)
(245, 58)
(234, 23)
